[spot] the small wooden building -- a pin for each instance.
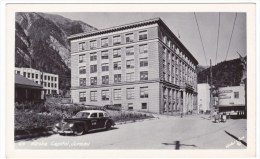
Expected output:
(27, 90)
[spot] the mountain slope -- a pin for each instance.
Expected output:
(227, 73)
(41, 42)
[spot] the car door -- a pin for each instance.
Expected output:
(101, 120)
(94, 120)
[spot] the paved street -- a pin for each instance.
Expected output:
(192, 132)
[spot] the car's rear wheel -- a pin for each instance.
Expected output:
(108, 125)
(79, 131)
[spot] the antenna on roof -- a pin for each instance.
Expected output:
(179, 36)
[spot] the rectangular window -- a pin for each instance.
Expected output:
(130, 51)
(117, 78)
(105, 95)
(129, 38)
(93, 68)
(130, 63)
(51, 84)
(18, 72)
(116, 53)
(24, 74)
(82, 96)
(28, 75)
(105, 67)
(93, 95)
(82, 46)
(100, 115)
(82, 82)
(105, 79)
(45, 84)
(32, 75)
(117, 65)
(130, 77)
(45, 77)
(36, 76)
(117, 94)
(82, 58)
(51, 78)
(143, 48)
(55, 78)
(144, 105)
(144, 75)
(143, 35)
(93, 80)
(236, 94)
(48, 78)
(55, 85)
(93, 56)
(93, 44)
(104, 42)
(130, 106)
(130, 93)
(82, 70)
(144, 92)
(104, 55)
(143, 62)
(117, 40)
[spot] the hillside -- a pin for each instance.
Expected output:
(227, 73)
(41, 43)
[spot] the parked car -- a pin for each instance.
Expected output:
(85, 121)
(112, 107)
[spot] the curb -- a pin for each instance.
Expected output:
(33, 135)
(131, 121)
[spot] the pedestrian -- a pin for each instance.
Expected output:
(217, 117)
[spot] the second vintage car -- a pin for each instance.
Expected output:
(85, 121)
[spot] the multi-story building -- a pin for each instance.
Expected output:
(203, 97)
(141, 66)
(50, 82)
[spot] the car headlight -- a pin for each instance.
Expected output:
(71, 125)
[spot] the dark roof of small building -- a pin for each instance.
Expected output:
(24, 82)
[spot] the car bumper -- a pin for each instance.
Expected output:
(65, 132)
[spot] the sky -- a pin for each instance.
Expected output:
(184, 24)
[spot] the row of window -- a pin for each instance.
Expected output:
(143, 62)
(143, 35)
(47, 84)
(171, 45)
(130, 77)
(117, 94)
(116, 53)
(36, 76)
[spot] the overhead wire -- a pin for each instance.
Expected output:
(200, 37)
(217, 39)
(231, 36)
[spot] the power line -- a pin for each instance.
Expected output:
(231, 36)
(217, 38)
(200, 38)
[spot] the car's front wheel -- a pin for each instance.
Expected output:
(79, 131)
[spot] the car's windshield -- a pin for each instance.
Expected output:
(82, 115)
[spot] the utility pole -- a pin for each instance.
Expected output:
(211, 90)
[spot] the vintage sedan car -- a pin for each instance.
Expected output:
(85, 121)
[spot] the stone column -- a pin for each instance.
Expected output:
(192, 105)
(167, 99)
(184, 101)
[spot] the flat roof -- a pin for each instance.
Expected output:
(133, 25)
